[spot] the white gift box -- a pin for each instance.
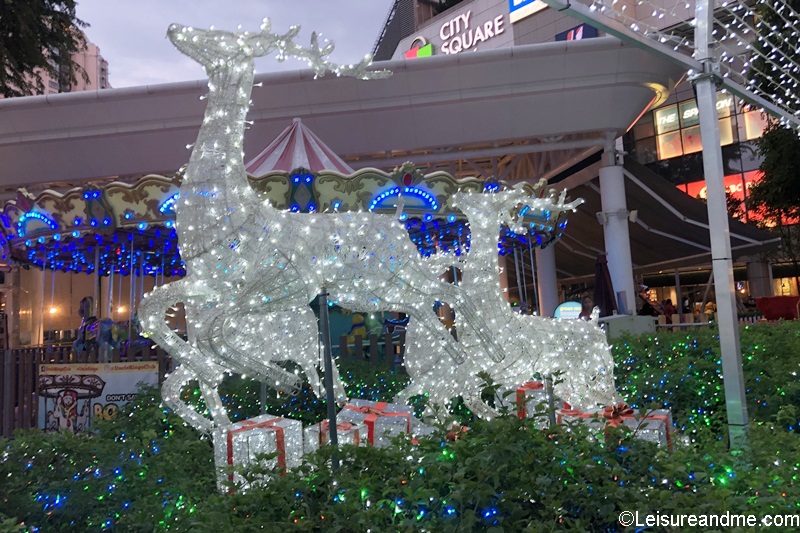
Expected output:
(656, 426)
(346, 433)
(525, 399)
(238, 445)
(383, 420)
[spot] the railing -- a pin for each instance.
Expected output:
(386, 350)
(690, 321)
(19, 378)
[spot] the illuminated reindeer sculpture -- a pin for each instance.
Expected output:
(220, 229)
(575, 348)
(252, 269)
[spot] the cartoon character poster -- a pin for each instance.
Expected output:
(71, 395)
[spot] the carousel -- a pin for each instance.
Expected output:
(112, 242)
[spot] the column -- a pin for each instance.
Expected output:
(614, 218)
(759, 278)
(547, 281)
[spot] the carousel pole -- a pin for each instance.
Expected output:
(533, 279)
(132, 275)
(522, 299)
(110, 295)
(96, 307)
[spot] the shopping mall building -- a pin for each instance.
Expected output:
(665, 140)
(490, 90)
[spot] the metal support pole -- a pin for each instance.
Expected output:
(325, 332)
(721, 259)
(678, 295)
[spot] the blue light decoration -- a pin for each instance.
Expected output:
(168, 206)
(22, 224)
(428, 198)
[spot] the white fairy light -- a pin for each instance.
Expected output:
(252, 269)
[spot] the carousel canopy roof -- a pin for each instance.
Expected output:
(128, 229)
(296, 147)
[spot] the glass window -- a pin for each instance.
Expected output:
(689, 114)
(669, 144)
(726, 131)
(724, 104)
(644, 127)
(666, 119)
(645, 150)
(691, 140)
(754, 124)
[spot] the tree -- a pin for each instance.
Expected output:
(776, 198)
(38, 37)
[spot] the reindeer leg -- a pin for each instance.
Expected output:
(171, 391)
(241, 357)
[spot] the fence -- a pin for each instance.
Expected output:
(19, 378)
(387, 350)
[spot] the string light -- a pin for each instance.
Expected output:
(252, 269)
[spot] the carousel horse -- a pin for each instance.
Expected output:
(95, 335)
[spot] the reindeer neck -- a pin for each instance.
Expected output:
(484, 238)
(215, 181)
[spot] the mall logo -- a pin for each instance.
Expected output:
(420, 47)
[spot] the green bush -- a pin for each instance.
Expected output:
(148, 471)
(683, 371)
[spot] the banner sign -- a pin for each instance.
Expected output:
(584, 31)
(520, 9)
(71, 395)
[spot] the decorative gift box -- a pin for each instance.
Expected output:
(383, 420)
(238, 445)
(654, 427)
(346, 433)
(525, 398)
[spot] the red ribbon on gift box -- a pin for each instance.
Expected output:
(457, 433)
(616, 413)
(574, 413)
(247, 425)
(522, 394)
(374, 412)
(324, 427)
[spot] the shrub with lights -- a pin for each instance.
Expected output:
(149, 471)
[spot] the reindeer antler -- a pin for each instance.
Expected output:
(316, 55)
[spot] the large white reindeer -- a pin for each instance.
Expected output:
(217, 224)
(246, 260)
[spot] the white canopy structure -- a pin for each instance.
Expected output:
(526, 99)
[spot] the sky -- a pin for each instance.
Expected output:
(131, 34)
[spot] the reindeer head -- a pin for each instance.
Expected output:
(212, 48)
